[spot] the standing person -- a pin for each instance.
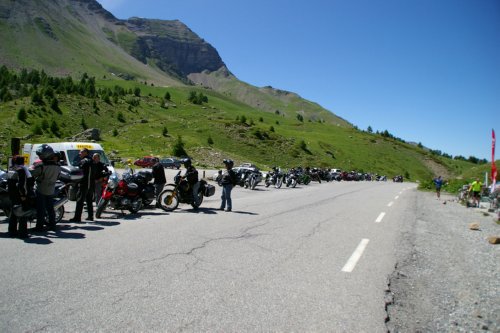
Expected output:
(86, 188)
(129, 167)
(476, 188)
(227, 181)
(46, 174)
(438, 182)
(159, 179)
(20, 186)
(99, 171)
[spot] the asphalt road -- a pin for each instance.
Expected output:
(314, 258)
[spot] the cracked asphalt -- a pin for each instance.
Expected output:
(273, 264)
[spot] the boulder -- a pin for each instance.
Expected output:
(91, 134)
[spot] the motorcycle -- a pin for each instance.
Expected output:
(143, 179)
(275, 178)
(397, 179)
(60, 198)
(291, 178)
(122, 194)
(181, 192)
(247, 178)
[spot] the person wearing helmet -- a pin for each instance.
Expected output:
(86, 188)
(20, 187)
(159, 179)
(191, 176)
(46, 174)
(227, 181)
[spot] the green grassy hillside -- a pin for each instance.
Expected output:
(67, 39)
(134, 126)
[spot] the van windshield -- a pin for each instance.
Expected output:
(74, 157)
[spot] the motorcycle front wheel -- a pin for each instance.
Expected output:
(279, 182)
(100, 207)
(59, 213)
(168, 200)
(135, 206)
(253, 183)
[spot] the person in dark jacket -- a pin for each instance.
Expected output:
(159, 178)
(46, 174)
(227, 181)
(20, 184)
(86, 188)
(191, 177)
(99, 172)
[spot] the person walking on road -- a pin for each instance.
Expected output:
(227, 181)
(438, 182)
(159, 179)
(86, 188)
(476, 188)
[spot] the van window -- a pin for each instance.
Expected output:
(74, 156)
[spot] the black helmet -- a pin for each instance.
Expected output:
(45, 152)
(187, 162)
(228, 162)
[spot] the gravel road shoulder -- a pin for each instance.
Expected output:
(448, 277)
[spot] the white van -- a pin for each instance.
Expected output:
(70, 159)
(68, 150)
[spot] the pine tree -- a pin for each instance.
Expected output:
(22, 115)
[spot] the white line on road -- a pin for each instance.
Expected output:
(353, 260)
(380, 217)
(396, 197)
(390, 204)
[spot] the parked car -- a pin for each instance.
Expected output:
(171, 163)
(145, 162)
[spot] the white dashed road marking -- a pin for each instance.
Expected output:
(353, 260)
(390, 204)
(380, 217)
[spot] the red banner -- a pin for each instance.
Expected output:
(493, 166)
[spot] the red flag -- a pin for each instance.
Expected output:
(493, 166)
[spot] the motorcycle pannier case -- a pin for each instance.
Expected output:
(70, 174)
(209, 190)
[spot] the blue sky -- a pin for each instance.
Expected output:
(425, 70)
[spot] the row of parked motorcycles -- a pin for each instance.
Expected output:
(134, 191)
(128, 192)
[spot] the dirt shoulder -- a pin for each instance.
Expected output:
(448, 277)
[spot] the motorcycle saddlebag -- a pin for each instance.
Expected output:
(70, 174)
(209, 190)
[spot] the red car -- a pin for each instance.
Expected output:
(145, 162)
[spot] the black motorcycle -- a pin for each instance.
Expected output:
(181, 192)
(291, 178)
(247, 178)
(60, 198)
(275, 178)
(143, 179)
